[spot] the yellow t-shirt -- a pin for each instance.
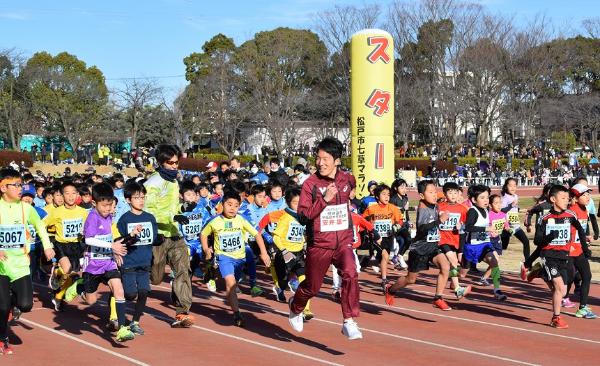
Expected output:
(289, 234)
(67, 222)
(230, 235)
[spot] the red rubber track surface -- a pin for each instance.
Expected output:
(479, 330)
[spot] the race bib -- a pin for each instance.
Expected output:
(192, 230)
(231, 241)
(32, 232)
(72, 228)
(513, 219)
(145, 236)
(433, 235)
(335, 218)
(498, 226)
(295, 233)
(453, 219)
(102, 253)
(383, 227)
(564, 233)
(12, 236)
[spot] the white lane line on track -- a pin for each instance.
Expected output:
(297, 354)
(433, 344)
(86, 343)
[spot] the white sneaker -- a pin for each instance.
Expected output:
(350, 330)
(402, 263)
(375, 269)
(296, 320)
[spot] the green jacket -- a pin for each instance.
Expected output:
(162, 201)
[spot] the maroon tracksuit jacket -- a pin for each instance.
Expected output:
(329, 240)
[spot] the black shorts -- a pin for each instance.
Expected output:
(447, 248)
(73, 251)
(418, 260)
(554, 268)
(92, 281)
(387, 244)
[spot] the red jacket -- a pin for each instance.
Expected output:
(328, 225)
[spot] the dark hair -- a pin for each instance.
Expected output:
(39, 185)
(576, 180)
(84, 190)
(237, 186)
(164, 152)
(274, 184)
(422, 185)
(231, 194)
(9, 173)
(493, 197)
(275, 161)
(300, 168)
(257, 188)
(67, 183)
(102, 192)
(477, 189)
(291, 193)
(451, 186)
(556, 189)
(505, 185)
(132, 188)
(380, 188)
(544, 196)
(397, 183)
(48, 192)
(332, 146)
(200, 187)
(187, 185)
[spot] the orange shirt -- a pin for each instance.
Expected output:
(457, 215)
(383, 217)
(582, 216)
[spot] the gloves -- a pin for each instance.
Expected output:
(396, 228)
(596, 236)
(587, 253)
(160, 238)
(188, 206)
(553, 234)
(130, 240)
(183, 220)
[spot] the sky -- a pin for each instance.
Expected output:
(150, 38)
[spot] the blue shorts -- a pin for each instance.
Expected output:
(195, 249)
(135, 279)
(231, 266)
(497, 244)
(474, 253)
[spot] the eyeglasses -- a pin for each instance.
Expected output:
(138, 197)
(16, 185)
(172, 162)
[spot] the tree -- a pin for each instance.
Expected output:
(133, 98)
(214, 102)
(278, 70)
(67, 96)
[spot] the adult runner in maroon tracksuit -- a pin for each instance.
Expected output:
(324, 209)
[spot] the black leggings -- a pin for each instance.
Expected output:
(18, 293)
(519, 234)
(582, 265)
(535, 255)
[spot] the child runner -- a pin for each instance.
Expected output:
(579, 253)
(99, 264)
(35, 248)
(197, 216)
(16, 288)
(450, 234)
(387, 219)
(276, 194)
(230, 231)
(510, 205)
(68, 221)
(289, 258)
(541, 208)
(555, 234)
(424, 248)
(478, 246)
(135, 267)
(499, 222)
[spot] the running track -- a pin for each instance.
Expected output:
(477, 331)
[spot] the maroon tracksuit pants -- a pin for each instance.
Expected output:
(318, 261)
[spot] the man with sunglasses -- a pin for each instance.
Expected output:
(162, 201)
